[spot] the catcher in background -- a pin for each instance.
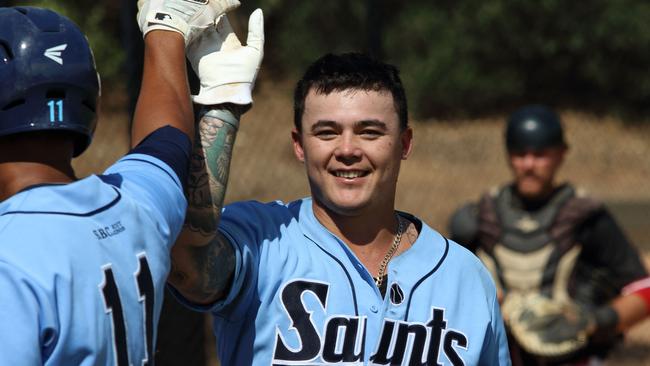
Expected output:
(569, 280)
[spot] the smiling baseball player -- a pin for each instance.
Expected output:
(340, 277)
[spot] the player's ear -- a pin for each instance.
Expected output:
(407, 142)
(296, 137)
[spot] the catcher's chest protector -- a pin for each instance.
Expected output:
(532, 251)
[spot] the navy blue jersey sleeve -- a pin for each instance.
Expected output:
(170, 145)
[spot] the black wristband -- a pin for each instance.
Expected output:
(606, 319)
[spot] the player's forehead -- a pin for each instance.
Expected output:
(546, 152)
(350, 106)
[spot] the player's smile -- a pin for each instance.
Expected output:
(349, 174)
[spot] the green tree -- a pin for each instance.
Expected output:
(98, 20)
(475, 56)
(455, 56)
(478, 56)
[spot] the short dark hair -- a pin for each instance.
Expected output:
(333, 73)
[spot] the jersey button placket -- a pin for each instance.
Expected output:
(393, 308)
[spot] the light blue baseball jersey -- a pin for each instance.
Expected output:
(83, 265)
(301, 297)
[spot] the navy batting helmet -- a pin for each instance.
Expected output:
(48, 80)
(534, 127)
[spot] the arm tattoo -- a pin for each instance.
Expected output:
(211, 257)
(216, 263)
(208, 179)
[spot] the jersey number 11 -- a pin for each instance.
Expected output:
(113, 305)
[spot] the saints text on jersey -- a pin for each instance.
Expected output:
(341, 339)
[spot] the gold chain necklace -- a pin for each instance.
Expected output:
(391, 251)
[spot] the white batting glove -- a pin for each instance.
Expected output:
(227, 70)
(187, 17)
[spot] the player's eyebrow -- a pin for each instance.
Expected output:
(371, 123)
(323, 124)
(359, 124)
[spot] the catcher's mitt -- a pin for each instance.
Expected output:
(544, 327)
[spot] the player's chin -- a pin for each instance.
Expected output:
(530, 187)
(348, 204)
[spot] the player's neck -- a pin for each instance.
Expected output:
(358, 224)
(16, 176)
(25, 163)
(539, 200)
(369, 235)
(374, 227)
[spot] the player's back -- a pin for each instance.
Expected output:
(83, 266)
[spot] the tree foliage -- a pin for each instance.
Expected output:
(480, 56)
(97, 20)
(455, 56)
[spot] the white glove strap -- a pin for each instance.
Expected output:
(187, 17)
(229, 93)
(165, 21)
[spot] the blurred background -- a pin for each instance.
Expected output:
(465, 65)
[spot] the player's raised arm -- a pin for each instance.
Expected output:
(202, 260)
(168, 27)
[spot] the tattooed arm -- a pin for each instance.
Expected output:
(203, 260)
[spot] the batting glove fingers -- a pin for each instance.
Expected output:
(227, 70)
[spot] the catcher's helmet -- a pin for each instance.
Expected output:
(48, 79)
(534, 127)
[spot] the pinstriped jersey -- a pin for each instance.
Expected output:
(83, 265)
(301, 297)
